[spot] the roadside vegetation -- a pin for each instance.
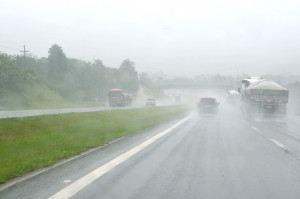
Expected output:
(29, 143)
(60, 82)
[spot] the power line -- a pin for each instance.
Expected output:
(9, 48)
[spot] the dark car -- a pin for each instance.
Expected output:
(208, 105)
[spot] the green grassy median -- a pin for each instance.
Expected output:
(29, 143)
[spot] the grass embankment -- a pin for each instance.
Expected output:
(30, 143)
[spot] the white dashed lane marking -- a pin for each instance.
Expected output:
(277, 143)
(254, 128)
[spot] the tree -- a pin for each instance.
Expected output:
(98, 64)
(29, 61)
(100, 78)
(13, 77)
(57, 63)
(128, 77)
(127, 65)
(145, 80)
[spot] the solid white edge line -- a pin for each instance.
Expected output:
(82, 182)
(277, 143)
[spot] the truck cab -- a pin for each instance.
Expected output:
(116, 98)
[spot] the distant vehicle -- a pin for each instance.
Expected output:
(207, 105)
(233, 96)
(263, 96)
(116, 97)
(150, 102)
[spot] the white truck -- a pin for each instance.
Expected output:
(263, 96)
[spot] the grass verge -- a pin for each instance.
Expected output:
(29, 143)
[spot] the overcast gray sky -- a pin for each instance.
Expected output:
(175, 37)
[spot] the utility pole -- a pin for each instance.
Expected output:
(24, 51)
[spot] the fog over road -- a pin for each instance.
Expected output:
(205, 156)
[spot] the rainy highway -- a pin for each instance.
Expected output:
(149, 99)
(193, 156)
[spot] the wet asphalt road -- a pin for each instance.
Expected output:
(27, 113)
(207, 156)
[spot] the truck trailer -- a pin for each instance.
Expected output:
(263, 96)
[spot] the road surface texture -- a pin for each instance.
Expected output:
(194, 156)
(28, 113)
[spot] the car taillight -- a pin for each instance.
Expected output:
(282, 104)
(215, 101)
(200, 100)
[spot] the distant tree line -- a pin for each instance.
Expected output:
(60, 77)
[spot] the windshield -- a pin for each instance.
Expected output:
(150, 99)
(207, 100)
(115, 94)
